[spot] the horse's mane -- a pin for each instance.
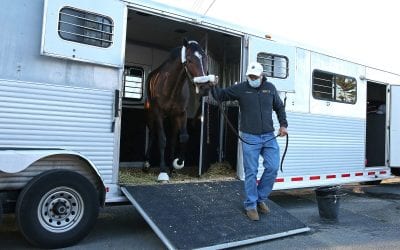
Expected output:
(175, 53)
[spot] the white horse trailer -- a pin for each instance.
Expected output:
(72, 76)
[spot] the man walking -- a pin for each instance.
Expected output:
(257, 99)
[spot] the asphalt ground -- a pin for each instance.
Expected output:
(369, 218)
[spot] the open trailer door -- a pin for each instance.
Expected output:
(274, 57)
(278, 64)
(394, 139)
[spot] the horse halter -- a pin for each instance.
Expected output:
(198, 79)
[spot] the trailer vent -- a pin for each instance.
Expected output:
(133, 82)
(84, 27)
(276, 66)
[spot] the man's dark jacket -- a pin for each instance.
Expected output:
(256, 105)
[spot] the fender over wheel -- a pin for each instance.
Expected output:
(57, 209)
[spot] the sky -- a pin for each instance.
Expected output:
(363, 31)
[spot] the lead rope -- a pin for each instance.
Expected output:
(208, 121)
(287, 137)
(284, 152)
(240, 138)
(232, 127)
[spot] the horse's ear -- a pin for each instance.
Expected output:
(185, 42)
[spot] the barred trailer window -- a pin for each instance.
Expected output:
(84, 27)
(333, 87)
(133, 84)
(274, 65)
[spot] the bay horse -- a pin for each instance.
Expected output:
(168, 92)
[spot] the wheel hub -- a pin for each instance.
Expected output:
(60, 209)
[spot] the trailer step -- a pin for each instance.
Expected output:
(207, 215)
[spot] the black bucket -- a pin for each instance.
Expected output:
(328, 200)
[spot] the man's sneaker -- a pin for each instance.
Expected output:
(252, 214)
(262, 208)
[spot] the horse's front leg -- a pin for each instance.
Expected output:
(152, 138)
(181, 121)
(162, 142)
(172, 142)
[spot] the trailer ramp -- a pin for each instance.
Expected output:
(207, 215)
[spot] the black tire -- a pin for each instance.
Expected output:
(57, 209)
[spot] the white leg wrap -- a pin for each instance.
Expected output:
(176, 165)
(163, 177)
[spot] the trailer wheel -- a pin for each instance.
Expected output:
(57, 209)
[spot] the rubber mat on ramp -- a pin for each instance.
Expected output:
(207, 215)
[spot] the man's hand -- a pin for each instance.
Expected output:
(213, 80)
(283, 131)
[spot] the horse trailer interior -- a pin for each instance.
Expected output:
(149, 40)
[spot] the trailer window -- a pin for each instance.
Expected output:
(274, 65)
(84, 27)
(333, 87)
(133, 82)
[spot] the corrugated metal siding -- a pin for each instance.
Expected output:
(53, 116)
(323, 144)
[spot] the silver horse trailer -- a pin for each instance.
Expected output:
(72, 91)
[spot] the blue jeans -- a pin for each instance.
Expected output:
(269, 150)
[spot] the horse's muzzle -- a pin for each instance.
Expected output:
(201, 80)
(205, 79)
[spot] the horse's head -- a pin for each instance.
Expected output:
(196, 65)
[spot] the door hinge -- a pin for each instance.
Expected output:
(116, 103)
(116, 109)
(246, 41)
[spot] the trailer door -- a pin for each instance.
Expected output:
(277, 60)
(85, 30)
(394, 157)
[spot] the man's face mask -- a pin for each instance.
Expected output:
(254, 83)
